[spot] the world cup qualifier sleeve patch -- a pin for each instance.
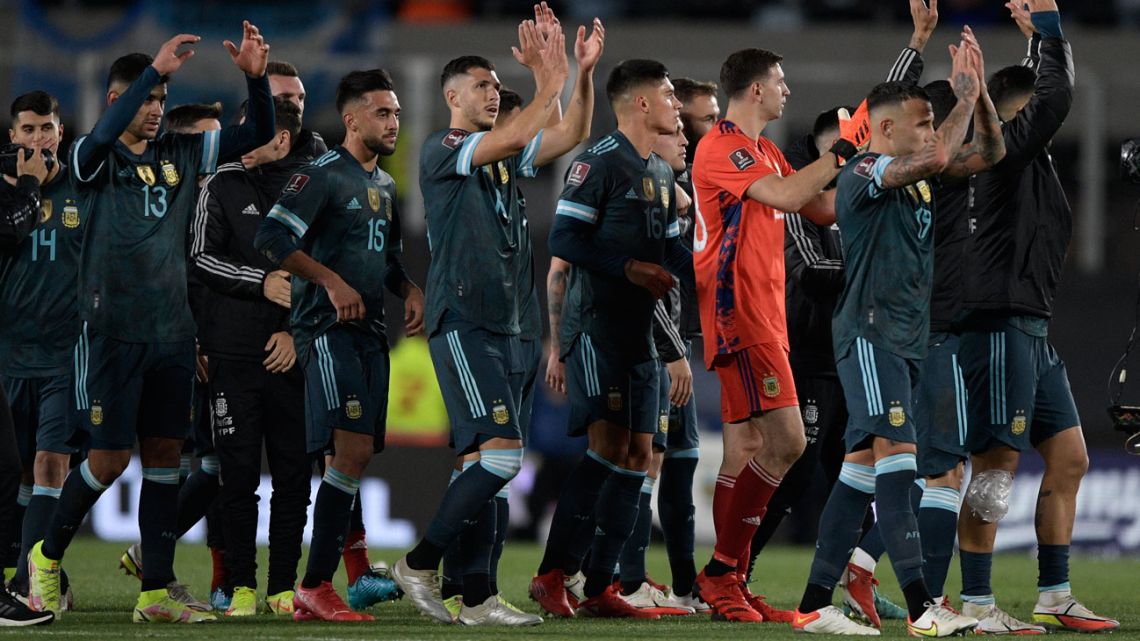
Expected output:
(577, 173)
(296, 184)
(741, 158)
(454, 138)
(865, 167)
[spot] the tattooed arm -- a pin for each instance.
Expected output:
(988, 145)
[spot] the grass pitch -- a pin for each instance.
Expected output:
(104, 599)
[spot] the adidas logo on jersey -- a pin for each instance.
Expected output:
(631, 194)
(251, 210)
(353, 204)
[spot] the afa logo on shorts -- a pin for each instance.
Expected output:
(897, 415)
(1017, 425)
(221, 406)
(663, 423)
(499, 413)
(771, 386)
(613, 401)
(811, 413)
(96, 414)
(353, 409)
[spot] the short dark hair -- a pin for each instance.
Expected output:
(744, 67)
(632, 73)
(126, 69)
(1009, 83)
(357, 83)
(687, 89)
(509, 100)
(38, 102)
(280, 68)
(287, 117)
(895, 92)
(942, 99)
(181, 119)
(462, 65)
(827, 121)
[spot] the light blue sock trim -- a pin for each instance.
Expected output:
(341, 481)
(504, 493)
(1060, 587)
(983, 599)
(45, 490)
(691, 452)
(625, 472)
(89, 478)
(163, 475)
(454, 475)
(211, 465)
(184, 466)
(920, 482)
(896, 463)
(858, 477)
(467, 465)
(940, 498)
(25, 495)
(647, 485)
(598, 457)
(504, 464)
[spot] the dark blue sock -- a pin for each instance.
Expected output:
(872, 541)
(631, 565)
(938, 526)
(158, 520)
(575, 506)
(332, 512)
(616, 517)
(839, 528)
(461, 502)
(475, 548)
(1052, 567)
(37, 518)
(80, 491)
(10, 556)
(894, 479)
(976, 569)
(502, 523)
(451, 571)
(197, 494)
(677, 513)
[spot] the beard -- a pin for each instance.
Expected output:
(377, 146)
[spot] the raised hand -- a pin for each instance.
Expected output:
(587, 51)
(1020, 15)
(963, 73)
(979, 60)
(253, 54)
(168, 59)
(529, 51)
(554, 61)
(925, 18)
(545, 21)
(1041, 5)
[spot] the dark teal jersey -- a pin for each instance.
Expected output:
(474, 230)
(346, 219)
(888, 240)
(629, 202)
(530, 311)
(39, 314)
(137, 208)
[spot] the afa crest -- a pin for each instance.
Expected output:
(221, 406)
(924, 189)
(500, 414)
(664, 195)
(613, 401)
(169, 174)
(647, 186)
(771, 386)
(504, 175)
(71, 216)
(374, 198)
(353, 409)
(45, 210)
(388, 208)
(663, 423)
(1017, 426)
(897, 416)
(811, 414)
(96, 414)
(146, 174)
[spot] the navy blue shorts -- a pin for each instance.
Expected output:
(531, 359)
(200, 439)
(1018, 388)
(480, 375)
(346, 387)
(125, 391)
(41, 412)
(940, 408)
(603, 388)
(676, 426)
(879, 388)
